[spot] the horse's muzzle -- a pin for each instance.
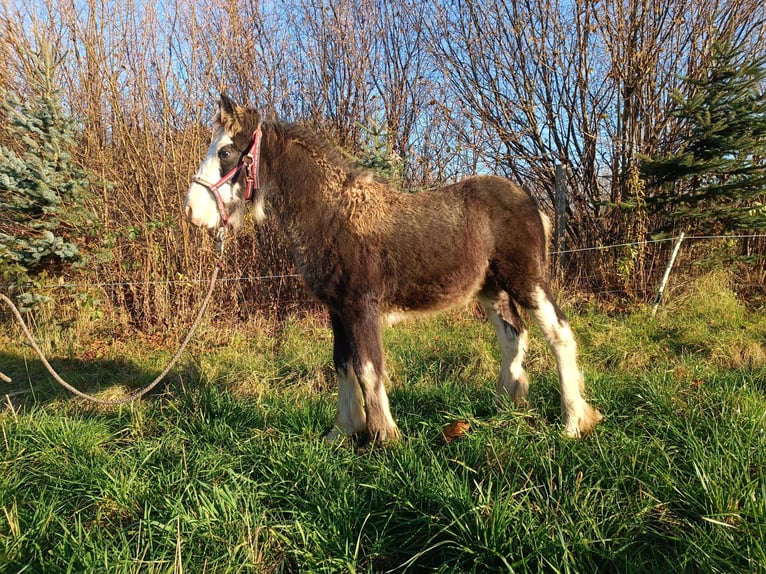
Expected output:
(199, 207)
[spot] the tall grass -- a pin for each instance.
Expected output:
(226, 469)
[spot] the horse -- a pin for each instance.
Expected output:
(374, 255)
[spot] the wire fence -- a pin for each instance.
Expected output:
(633, 270)
(628, 271)
(281, 276)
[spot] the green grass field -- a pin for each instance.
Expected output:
(225, 470)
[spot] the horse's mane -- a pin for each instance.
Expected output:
(281, 134)
(319, 145)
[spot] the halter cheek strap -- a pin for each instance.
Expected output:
(249, 162)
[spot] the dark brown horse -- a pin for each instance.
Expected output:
(373, 255)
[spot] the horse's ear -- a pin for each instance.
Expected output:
(230, 115)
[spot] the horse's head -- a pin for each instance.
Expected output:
(228, 176)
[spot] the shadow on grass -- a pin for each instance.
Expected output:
(108, 378)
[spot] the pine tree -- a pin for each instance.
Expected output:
(43, 217)
(376, 154)
(715, 179)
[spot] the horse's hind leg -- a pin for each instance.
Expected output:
(578, 416)
(512, 337)
(350, 419)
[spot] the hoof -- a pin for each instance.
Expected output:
(334, 435)
(583, 423)
(516, 390)
(389, 434)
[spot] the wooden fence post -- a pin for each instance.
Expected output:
(664, 281)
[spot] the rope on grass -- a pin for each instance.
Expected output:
(132, 396)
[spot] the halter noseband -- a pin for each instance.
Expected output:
(249, 162)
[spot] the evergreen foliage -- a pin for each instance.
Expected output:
(377, 154)
(714, 180)
(43, 214)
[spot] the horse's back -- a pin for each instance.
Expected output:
(441, 246)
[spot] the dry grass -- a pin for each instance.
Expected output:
(144, 82)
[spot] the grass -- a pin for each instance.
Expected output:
(226, 470)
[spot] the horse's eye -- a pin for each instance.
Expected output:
(224, 154)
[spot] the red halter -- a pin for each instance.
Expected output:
(248, 162)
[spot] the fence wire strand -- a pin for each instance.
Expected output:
(258, 278)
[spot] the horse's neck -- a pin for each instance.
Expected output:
(308, 194)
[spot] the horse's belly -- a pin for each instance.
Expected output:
(427, 295)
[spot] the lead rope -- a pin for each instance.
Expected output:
(141, 392)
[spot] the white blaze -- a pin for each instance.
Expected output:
(200, 206)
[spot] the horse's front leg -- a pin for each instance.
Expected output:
(367, 359)
(351, 418)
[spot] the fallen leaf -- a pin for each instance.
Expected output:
(456, 430)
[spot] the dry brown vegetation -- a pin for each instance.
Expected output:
(508, 87)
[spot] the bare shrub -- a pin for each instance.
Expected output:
(504, 87)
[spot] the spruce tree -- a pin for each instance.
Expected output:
(714, 179)
(376, 154)
(43, 217)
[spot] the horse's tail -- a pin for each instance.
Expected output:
(547, 229)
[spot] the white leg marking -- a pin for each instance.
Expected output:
(577, 414)
(351, 418)
(516, 367)
(376, 404)
(513, 381)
